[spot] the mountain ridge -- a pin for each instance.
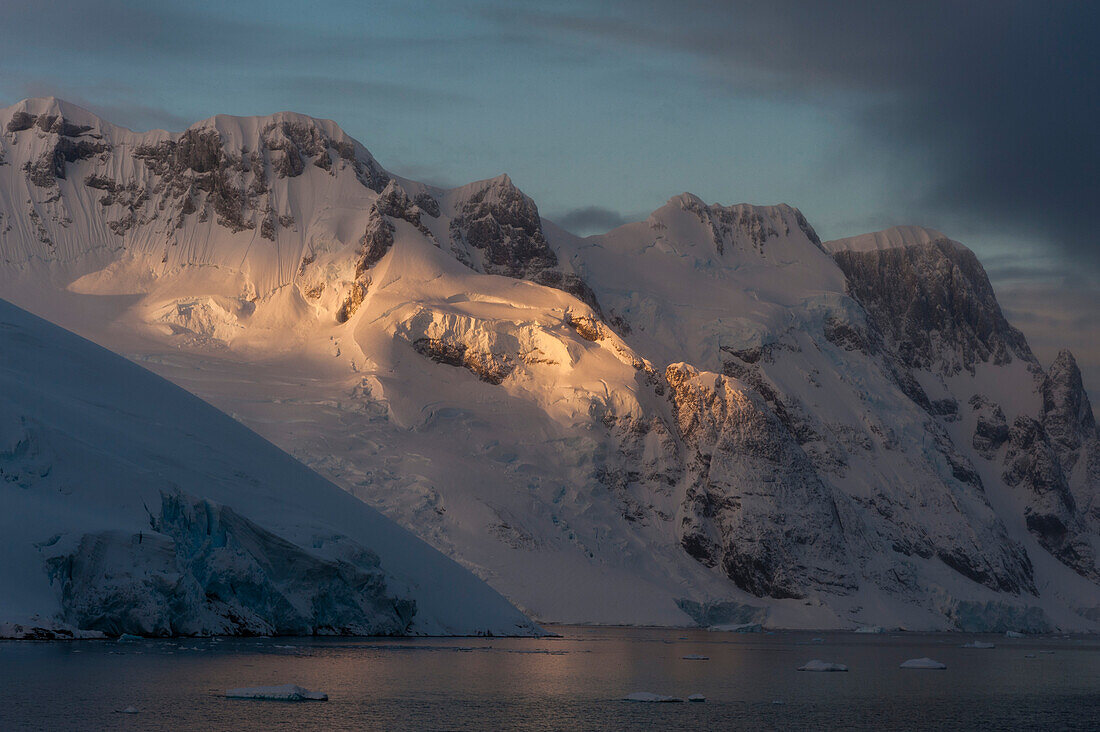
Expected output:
(580, 421)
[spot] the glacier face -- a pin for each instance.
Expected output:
(133, 507)
(709, 408)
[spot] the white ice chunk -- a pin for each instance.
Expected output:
(1013, 634)
(285, 692)
(819, 665)
(129, 710)
(979, 644)
(923, 663)
(870, 629)
(697, 698)
(648, 696)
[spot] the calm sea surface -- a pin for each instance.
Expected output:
(576, 681)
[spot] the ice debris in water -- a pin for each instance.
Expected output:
(285, 692)
(648, 696)
(819, 665)
(1013, 634)
(695, 657)
(697, 698)
(128, 637)
(978, 644)
(128, 710)
(923, 663)
(870, 629)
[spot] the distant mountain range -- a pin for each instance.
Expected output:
(709, 416)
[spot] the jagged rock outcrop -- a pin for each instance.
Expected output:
(1032, 466)
(503, 225)
(744, 226)
(1069, 421)
(755, 506)
(991, 428)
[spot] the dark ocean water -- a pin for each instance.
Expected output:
(576, 681)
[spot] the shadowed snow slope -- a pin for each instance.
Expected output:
(708, 416)
(131, 506)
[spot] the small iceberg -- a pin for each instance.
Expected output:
(697, 698)
(819, 665)
(128, 710)
(1014, 634)
(923, 663)
(648, 696)
(870, 629)
(695, 657)
(978, 644)
(738, 628)
(285, 692)
(129, 637)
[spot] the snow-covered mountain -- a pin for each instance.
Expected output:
(706, 416)
(134, 507)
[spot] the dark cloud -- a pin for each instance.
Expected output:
(589, 220)
(994, 102)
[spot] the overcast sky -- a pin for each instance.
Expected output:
(981, 119)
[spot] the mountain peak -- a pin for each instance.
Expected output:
(50, 114)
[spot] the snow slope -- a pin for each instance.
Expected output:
(709, 416)
(133, 507)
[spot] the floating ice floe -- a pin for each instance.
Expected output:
(648, 696)
(978, 644)
(285, 692)
(738, 628)
(1013, 634)
(695, 657)
(923, 663)
(128, 710)
(697, 698)
(870, 629)
(128, 637)
(819, 665)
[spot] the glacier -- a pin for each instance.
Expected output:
(134, 509)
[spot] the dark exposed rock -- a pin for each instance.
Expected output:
(586, 326)
(755, 506)
(991, 429)
(1031, 464)
(51, 165)
(20, 121)
(1067, 414)
(375, 242)
(489, 367)
(354, 299)
(935, 304)
(846, 335)
(505, 225)
(427, 204)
